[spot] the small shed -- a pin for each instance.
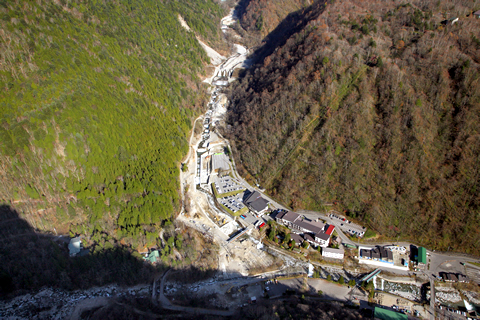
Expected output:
(75, 246)
(152, 257)
(476, 14)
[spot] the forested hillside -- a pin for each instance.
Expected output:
(96, 100)
(373, 106)
(260, 17)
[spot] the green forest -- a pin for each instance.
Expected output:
(373, 111)
(96, 100)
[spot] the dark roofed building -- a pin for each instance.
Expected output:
(304, 226)
(252, 196)
(260, 205)
(389, 256)
(280, 215)
(310, 239)
(366, 254)
(322, 238)
(381, 254)
(462, 277)
(318, 224)
(288, 218)
(451, 277)
(256, 203)
(375, 254)
(298, 239)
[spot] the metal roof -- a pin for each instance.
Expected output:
(384, 314)
(323, 236)
(330, 230)
(333, 250)
(298, 239)
(307, 226)
(259, 204)
(220, 161)
(422, 255)
(291, 216)
(152, 257)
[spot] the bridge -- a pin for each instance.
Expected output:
(371, 275)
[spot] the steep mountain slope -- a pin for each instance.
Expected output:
(262, 16)
(374, 106)
(96, 100)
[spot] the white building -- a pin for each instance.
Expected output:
(322, 239)
(333, 253)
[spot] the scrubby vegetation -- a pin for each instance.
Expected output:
(374, 107)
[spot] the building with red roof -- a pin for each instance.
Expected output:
(330, 229)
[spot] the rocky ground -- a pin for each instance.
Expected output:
(447, 295)
(59, 304)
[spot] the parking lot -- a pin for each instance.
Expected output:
(227, 184)
(233, 203)
(348, 226)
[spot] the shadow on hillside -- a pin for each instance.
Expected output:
(241, 8)
(293, 23)
(31, 260)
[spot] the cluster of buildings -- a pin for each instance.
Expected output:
(206, 125)
(316, 233)
(380, 254)
(453, 277)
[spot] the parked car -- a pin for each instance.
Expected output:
(262, 225)
(243, 216)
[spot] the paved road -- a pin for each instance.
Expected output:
(432, 298)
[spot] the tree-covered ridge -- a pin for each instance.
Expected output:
(96, 100)
(263, 16)
(376, 109)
